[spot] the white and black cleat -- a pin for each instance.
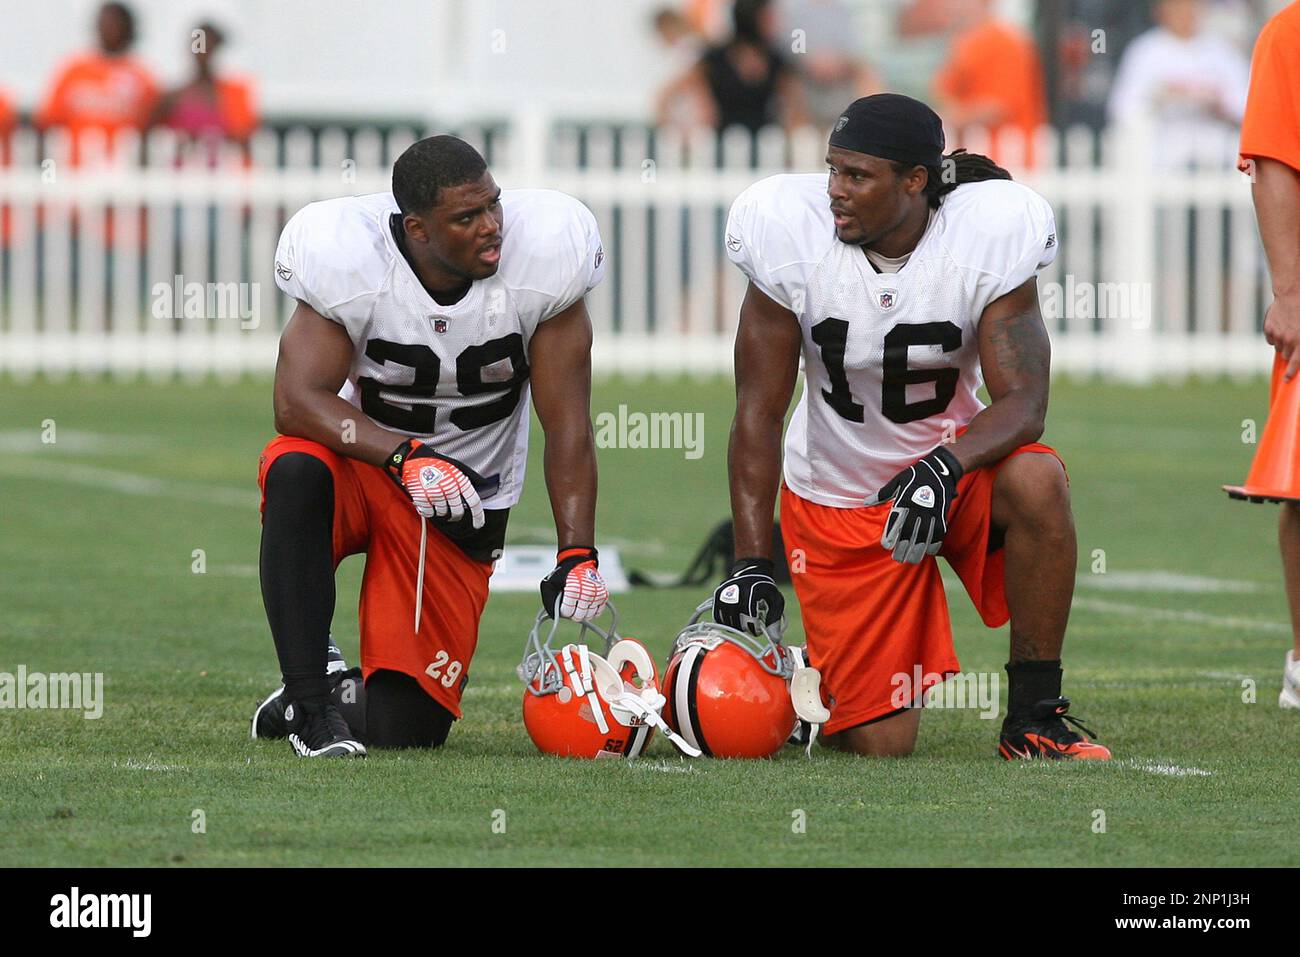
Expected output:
(319, 731)
(1289, 699)
(268, 720)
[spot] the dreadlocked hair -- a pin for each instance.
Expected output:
(959, 167)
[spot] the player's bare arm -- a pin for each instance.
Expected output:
(315, 355)
(1276, 192)
(1015, 357)
(767, 364)
(560, 357)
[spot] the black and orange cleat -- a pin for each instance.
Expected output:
(1043, 732)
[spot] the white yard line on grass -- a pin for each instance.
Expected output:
(1166, 581)
(130, 483)
(1183, 615)
(1161, 768)
(31, 442)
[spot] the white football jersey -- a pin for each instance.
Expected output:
(890, 359)
(455, 377)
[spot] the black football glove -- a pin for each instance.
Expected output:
(923, 495)
(576, 584)
(749, 598)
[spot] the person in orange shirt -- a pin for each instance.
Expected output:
(1270, 149)
(106, 89)
(993, 80)
(209, 107)
(8, 120)
(7, 115)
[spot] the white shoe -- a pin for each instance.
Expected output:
(1289, 699)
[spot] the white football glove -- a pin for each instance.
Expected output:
(575, 583)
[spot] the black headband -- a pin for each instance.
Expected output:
(893, 127)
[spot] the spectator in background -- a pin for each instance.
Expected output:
(7, 115)
(743, 82)
(1190, 83)
(106, 89)
(992, 81)
(681, 48)
(209, 109)
(833, 71)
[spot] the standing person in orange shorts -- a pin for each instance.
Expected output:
(903, 290)
(424, 319)
(107, 89)
(1270, 144)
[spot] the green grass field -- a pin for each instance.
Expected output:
(97, 544)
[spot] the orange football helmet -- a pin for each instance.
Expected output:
(729, 692)
(579, 704)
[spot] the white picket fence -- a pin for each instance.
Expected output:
(165, 267)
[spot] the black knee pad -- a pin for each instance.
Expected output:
(400, 714)
(297, 473)
(299, 487)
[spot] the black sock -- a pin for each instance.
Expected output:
(400, 714)
(297, 570)
(1031, 682)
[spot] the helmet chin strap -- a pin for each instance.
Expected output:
(581, 681)
(646, 705)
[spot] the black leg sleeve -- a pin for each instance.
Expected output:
(297, 570)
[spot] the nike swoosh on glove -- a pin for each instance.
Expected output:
(749, 598)
(922, 494)
(576, 584)
(439, 486)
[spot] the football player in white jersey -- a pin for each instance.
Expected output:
(905, 279)
(425, 319)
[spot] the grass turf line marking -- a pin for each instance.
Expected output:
(1163, 769)
(1166, 581)
(28, 442)
(1187, 616)
(132, 483)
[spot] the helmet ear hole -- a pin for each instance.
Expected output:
(629, 651)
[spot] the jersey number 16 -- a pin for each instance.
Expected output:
(832, 335)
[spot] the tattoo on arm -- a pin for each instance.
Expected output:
(1021, 351)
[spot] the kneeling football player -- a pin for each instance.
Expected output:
(424, 319)
(905, 279)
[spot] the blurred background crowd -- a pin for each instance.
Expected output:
(1004, 67)
(656, 113)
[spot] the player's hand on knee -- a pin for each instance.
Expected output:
(922, 495)
(749, 599)
(576, 585)
(440, 487)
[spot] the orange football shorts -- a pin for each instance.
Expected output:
(869, 618)
(373, 516)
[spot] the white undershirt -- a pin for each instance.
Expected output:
(885, 264)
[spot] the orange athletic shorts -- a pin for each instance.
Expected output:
(373, 516)
(869, 618)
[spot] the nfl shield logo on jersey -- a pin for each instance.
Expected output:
(439, 324)
(887, 298)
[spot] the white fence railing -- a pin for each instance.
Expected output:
(160, 260)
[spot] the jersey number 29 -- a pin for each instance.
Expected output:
(419, 418)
